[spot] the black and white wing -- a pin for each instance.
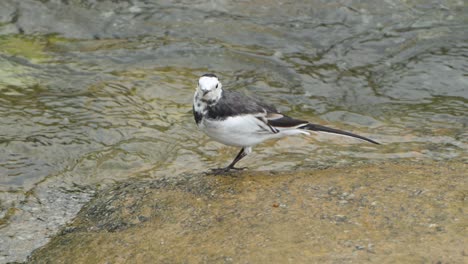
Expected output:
(233, 104)
(272, 121)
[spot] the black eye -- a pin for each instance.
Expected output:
(216, 86)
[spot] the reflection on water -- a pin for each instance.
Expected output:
(108, 96)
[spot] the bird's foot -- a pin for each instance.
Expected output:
(226, 170)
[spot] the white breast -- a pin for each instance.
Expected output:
(242, 131)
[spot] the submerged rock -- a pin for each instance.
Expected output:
(398, 213)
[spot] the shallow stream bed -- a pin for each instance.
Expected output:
(93, 93)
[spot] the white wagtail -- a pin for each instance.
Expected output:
(235, 119)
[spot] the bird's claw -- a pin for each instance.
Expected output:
(225, 170)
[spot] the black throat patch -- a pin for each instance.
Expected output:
(197, 115)
(208, 102)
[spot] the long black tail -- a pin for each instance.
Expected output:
(315, 127)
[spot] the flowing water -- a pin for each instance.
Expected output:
(96, 92)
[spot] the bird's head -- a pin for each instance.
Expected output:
(209, 87)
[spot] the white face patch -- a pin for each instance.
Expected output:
(207, 83)
(209, 88)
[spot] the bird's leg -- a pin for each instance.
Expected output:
(242, 153)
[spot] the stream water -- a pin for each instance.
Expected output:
(96, 92)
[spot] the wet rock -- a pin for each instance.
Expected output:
(261, 217)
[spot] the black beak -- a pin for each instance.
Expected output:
(205, 92)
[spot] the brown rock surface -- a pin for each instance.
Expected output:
(387, 213)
